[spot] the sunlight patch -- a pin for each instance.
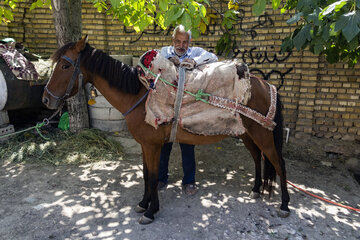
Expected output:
(58, 193)
(129, 184)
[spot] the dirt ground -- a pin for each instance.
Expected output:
(96, 201)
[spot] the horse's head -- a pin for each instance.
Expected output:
(66, 79)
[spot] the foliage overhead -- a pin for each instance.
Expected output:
(6, 14)
(140, 14)
(331, 28)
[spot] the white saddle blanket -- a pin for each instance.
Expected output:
(218, 79)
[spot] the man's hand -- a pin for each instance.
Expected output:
(188, 63)
(175, 60)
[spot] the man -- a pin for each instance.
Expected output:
(183, 55)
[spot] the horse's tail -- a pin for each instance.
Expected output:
(269, 172)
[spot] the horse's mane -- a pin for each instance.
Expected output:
(116, 73)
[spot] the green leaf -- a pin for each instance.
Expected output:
(115, 3)
(173, 14)
(352, 27)
(302, 36)
(295, 18)
(332, 55)
(12, 4)
(192, 9)
(151, 7)
(317, 46)
(8, 15)
(314, 17)
(287, 45)
(186, 20)
(196, 20)
(229, 24)
(195, 33)
(259, 7)
(163, 4)
(353, 44)
(144, 22)
(326, 33)
(160, 20)
(341, 23)
(275, 4)
(335, 6)
(136, 28)
(202, 10)
(206, 21)
(304, 5)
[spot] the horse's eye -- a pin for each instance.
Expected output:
(65, 66)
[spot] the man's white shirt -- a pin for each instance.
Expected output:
(200, 55)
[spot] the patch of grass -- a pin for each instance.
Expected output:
(64, 147)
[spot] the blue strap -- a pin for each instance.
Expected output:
(68, 59)
(136, 104)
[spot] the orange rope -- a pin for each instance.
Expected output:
(321, 198)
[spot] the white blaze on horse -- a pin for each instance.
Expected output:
(254, 113)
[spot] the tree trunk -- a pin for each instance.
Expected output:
(67, 21)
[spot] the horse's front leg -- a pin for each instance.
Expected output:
(144, 203)
(151, 158)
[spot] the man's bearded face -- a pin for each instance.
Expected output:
(181, 43)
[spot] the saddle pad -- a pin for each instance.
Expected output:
(219, 79)
(21, 67)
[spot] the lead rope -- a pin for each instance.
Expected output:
(177, 104)
(45, 122)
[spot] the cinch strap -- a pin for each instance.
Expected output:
(177, 105)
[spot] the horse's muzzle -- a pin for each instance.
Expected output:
(50, 104)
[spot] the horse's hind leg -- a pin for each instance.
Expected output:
(256, 155)
(279, 165)
(264, 139)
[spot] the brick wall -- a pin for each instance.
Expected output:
(319, 99)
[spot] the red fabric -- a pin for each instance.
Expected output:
(148, 57)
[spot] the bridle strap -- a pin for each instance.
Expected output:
(74, 76)
(76, 73)
(69, 60)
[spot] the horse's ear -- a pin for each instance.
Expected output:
(80, 45)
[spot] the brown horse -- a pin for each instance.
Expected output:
(78, 63)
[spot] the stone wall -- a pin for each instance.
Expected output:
(319, 99)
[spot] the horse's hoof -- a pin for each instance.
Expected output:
(283, 213)
(139, 209)
(145, 220)
(254, 195)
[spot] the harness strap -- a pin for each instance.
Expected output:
(265, 121)
(177, 104)
(137, 103)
